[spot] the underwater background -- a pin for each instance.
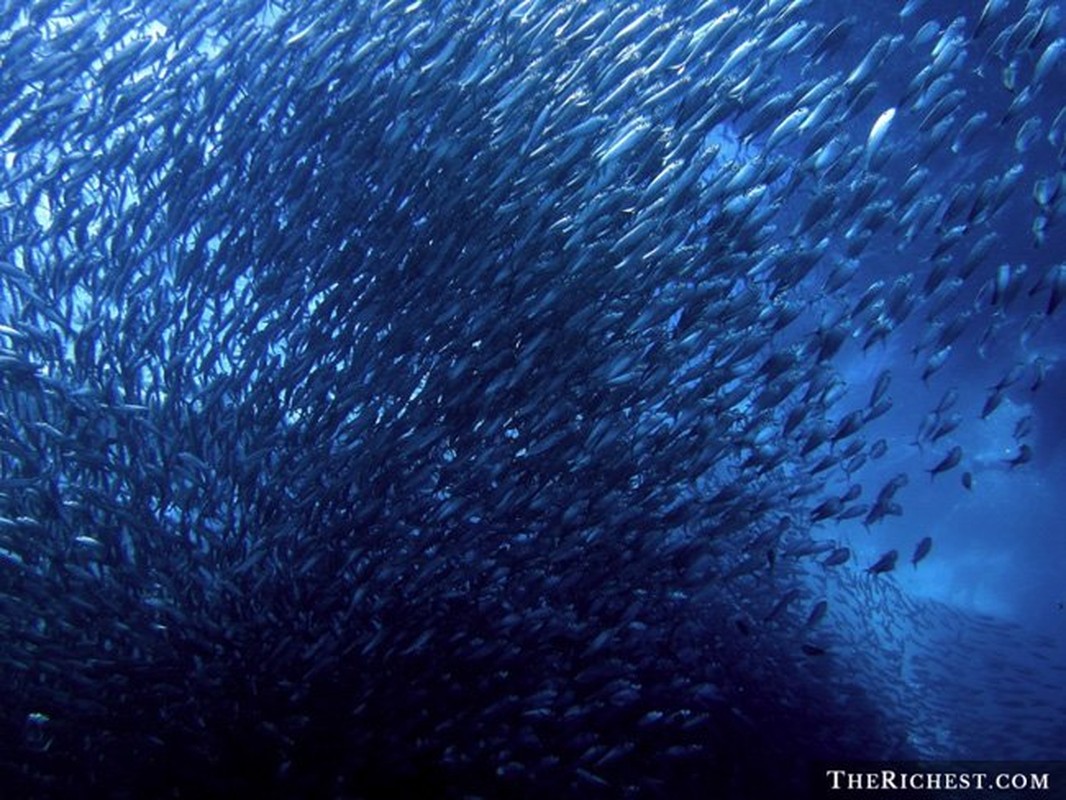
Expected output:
(527, 399)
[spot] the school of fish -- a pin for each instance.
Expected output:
(450, 399)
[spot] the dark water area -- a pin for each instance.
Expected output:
(526, 399)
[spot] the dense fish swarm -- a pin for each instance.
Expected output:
(416, 399)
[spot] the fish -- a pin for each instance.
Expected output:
(827, 508)
(891, 487)
(926, 33)
(849, 425)
(877, 134)
(944, 426)
(779, 607)
(968, 131)
(834, 38)
(992, 402)
(1025, 455)
(921, 550)
(1039, 366)
(1029, 131)
(948, 462)
(884, 379)
(935, 362)
(879, 510)
(991, 10)
(886, 563)
(839, 555)
(853, 493)
(1048, 60)
(818, 612)
(1023, 427)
